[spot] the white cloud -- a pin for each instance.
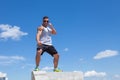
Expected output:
(5, 60)
(47, 68)
(66, 49)
(117, 76)
(26, 65)
(7, 31)
(94, 74)
(3, 74)
(81, 59)
(78, 71)
(105, 54)
(12, 57)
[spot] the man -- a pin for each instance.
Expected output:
(44, 43)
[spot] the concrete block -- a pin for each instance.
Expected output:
(42, 75)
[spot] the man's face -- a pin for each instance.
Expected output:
(45, 22)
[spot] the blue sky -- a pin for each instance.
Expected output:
(87, 37)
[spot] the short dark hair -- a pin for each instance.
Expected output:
(45, 17)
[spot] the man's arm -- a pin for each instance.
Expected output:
(39, 31)
(53, 29)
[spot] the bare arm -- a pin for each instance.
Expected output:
(53, 29)
(39, 31)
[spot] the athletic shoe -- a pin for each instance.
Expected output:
(36, 69)
(57, 70)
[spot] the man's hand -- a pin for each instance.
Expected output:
(53, 29)
(39, 43)
(50, 25)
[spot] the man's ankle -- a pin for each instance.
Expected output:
(37, 66)
(55, 68)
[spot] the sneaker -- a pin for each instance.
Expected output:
(57, 70)
(36, 69)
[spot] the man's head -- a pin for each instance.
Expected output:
(45, 21)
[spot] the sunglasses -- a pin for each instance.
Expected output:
(45, 21)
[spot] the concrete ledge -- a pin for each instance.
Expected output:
(41, 75)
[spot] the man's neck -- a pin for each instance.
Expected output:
(44, 26)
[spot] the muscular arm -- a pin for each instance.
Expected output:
(53, 29)
(39, 31)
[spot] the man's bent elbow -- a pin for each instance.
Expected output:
(54, 33)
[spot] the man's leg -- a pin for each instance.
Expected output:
(55, 60)
(38, 57)
(52, 51)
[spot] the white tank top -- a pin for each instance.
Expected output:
(45, 37)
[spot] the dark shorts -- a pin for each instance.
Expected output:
(47, 48)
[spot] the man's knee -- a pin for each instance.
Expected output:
(39, 52)
(56, 55)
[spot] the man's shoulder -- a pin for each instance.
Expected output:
(40, 28)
